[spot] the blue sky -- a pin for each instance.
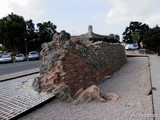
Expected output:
(74, 16)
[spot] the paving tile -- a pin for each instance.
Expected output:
(17, 96)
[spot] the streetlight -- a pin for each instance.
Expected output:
(25, 40)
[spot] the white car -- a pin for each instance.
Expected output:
(6, 58)
(131, 47)
(19, 58)
(33, 55)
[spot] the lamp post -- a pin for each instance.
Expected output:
(25, 40)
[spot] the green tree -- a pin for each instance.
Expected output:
(134, 32)
(31, 38)
(45, 31)
(30, 30)
(18, 35)
(151, 39)
(113, 38)
(12, 32)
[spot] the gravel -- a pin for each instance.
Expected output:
(131, 83)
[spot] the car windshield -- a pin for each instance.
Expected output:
(19, 56)
(5, 56)
(32, 53)
(135, 45)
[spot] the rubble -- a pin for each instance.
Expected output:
(91, 93)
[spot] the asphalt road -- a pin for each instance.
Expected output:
(18, 66)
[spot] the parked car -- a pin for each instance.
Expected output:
(33, 55)
(131, 47)
(20, 57)
(6, 58)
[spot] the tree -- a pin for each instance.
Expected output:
(12, 32)
(18, 35)
(113, 38)
(30, 30)
(31, 37)
(45, 31)
(151, 38)
(134, 32)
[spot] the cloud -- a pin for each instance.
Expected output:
(29, 9)
(124, 11)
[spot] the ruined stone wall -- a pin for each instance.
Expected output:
(76, 64)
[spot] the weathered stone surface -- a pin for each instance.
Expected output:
(111, 96)
(62, 92)
(91, 93)
(75, 64)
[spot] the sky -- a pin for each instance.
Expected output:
(74, 16)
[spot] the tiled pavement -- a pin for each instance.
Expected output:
(17, 96)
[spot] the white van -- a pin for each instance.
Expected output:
(131, 46)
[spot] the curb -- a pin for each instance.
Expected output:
(137, 55)
(18, 74)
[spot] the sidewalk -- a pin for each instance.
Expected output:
(155, 80)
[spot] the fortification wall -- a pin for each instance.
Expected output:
(76, 64)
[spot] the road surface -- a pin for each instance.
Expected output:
(18, 66)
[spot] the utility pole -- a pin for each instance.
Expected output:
(25, 40)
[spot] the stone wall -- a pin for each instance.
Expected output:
(78, 65)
